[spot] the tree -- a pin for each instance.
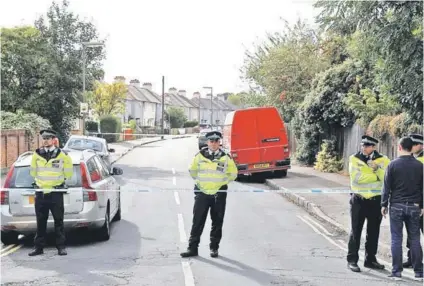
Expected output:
(394, 36)
(177, 118)
(108, 99)
(234, 99)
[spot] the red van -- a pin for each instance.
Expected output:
(257, 140)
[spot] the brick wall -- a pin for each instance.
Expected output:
(15, 142)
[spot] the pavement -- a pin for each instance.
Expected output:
(267, 240)
(330, 208)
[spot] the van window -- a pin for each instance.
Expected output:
(21, 178)
(229, 118)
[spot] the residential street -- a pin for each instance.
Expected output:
(267, 240)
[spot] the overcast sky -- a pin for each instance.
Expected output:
(192, 43)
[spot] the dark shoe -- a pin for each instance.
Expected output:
(190, 252)
(419, 276)
(354, 267)
(407, 264)
(374, 265)
(214, 253)
(36, 251)
(62, 251)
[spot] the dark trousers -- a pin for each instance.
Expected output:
(410, 215)
(408, 244)
(202, 204)
(361, 209)
(43, 204)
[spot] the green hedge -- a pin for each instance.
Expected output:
(92, 126)
(110, 124)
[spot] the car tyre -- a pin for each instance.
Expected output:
(118, 213)
(8, 238)
(104, 232)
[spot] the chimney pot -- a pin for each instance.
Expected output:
(147, 85)
(182, 92)
(135, 82)
(119, 78)
(172, 90)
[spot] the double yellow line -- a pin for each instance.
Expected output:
(9, 249)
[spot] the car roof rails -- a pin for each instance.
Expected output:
(23, 155)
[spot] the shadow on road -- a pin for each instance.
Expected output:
(86, 257)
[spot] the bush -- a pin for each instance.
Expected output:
(110, 124)
(20, 120)
(327, 160)
(92, 126)
(189, 124)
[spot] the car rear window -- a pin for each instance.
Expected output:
(83, 144)
(21, 178)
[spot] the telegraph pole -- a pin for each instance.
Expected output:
(211, 88)
(163, 107)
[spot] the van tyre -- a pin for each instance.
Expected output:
(9, 238)
(118, 213)
(104, 232)
(280, 173)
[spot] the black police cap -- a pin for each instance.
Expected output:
(416, 138)
(368, 140)
(48, 132)
(213, 135)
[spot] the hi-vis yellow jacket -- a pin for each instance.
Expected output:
(420, 157)
(209, 175)
(363, 180)
(52, 173)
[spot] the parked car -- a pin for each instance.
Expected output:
(78, 142)
(92, 198)
(202, 138)
(257, 140)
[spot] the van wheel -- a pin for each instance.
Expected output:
(9, 238)
(280, 173)
(118, 213)
(104, 232)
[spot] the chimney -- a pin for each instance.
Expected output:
(182, 92)
(196, 94)
(135, 82)
(119, 78)
(147, 85)
(172, 90)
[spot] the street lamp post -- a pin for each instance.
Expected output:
(211, 88)
(84, 63)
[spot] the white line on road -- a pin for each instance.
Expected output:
(406, 272)
(318, 225)
(181, 229)
(174, 180)
(177, 198)
(188, 274)
(173, 171)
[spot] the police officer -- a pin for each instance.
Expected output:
(417, 151)
(212, 169)
(50, 166)
(366, 170)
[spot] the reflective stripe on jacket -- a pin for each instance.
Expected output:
(363, 180)
(209, 175)
(52, 173)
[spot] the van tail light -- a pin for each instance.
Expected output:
(286, 149)
(88, 196)
(4, 194)
(234, 155)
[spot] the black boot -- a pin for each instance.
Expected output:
(36, 251)
(354, 267)
(214, 253)
(374, 265)
(62, 251)
(190, 252)
(407, 264)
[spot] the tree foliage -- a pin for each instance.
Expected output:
(177, 117)
(108, 98)
(21, 120)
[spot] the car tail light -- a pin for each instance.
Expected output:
(4, 194)
(286, 149)
(88, 196)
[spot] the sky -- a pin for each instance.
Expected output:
(192, 43)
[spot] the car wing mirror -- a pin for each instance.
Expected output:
(111, 150)
(117, 171)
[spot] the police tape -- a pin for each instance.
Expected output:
(155, 190)
(140, 134)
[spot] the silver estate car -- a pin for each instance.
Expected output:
(92, 197)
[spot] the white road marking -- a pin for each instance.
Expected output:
(177, 198)
(188, 274)
(318, 225)
(406, 272)
(174, 180)
(173, 171)
(181, 229)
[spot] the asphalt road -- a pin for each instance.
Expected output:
(266, 239)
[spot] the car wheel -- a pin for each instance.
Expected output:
(118, 213)
(104, 232)
(9, 238)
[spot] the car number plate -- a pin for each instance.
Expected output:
(260, 166)
(31, 200)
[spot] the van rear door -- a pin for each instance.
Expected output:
(272, 138)
(244, 137)
(21, 195)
